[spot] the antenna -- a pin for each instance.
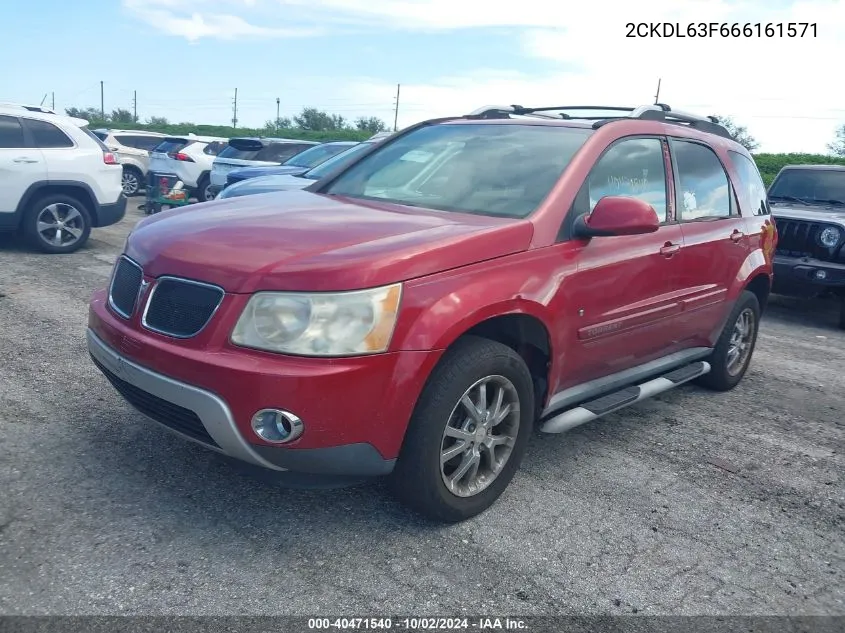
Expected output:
(657, 95)
(235, 111)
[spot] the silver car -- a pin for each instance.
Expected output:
(133, 149)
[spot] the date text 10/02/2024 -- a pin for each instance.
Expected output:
(419, 624)
(722, 29)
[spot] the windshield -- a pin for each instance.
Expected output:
(810, 186)
(489, 169)
(344, 158)
(316, 155)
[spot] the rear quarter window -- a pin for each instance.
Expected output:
(752, 191)
(280, 152)
(214, 148)
(46, 135)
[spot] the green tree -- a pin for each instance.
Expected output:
(319, 121)
(837, 146)
(274, 125)
(121, 116)
(157, 120)
(370, 124)
(89, 114)
(739, 133)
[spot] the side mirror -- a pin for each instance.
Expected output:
(617, 215)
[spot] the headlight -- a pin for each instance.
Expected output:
(320, 324)
(830, 237)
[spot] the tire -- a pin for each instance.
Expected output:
(132, 181)
(63, 212)
(724, 375)
(418, 479)
(202, 192)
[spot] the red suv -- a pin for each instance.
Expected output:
(416, 313)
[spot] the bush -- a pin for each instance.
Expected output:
(224, 131)
(770, 164)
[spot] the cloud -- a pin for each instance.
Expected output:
(786, 90)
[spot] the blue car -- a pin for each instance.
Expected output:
(295, 165)
(287, 181)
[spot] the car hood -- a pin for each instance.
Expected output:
(811, 213)
(264, 184)
(298, 240)
(255, 172)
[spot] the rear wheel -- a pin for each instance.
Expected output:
(732, 354)
(468, 432)
(203, 194)
(57, 223)
(131, 181)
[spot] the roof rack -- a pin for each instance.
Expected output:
(655, 112)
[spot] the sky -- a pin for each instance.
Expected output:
(185, 58)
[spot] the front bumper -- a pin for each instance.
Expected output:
(355, 411)
(805, 276)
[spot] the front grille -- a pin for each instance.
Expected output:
(170, 415)
(180, 307)
(799, 238)
(123, 291)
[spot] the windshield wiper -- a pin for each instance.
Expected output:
(836, 203)
(789, 199)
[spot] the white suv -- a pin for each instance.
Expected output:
(133, 149)
(189, 158)
(57, 180)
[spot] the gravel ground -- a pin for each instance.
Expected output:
(692, 503)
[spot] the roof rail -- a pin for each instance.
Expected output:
(652, 112)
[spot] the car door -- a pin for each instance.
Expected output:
(715, 241)
(21, 165)
(622, 295)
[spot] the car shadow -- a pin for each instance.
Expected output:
(817, 312)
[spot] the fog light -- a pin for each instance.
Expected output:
(277, 426)
(821, 274)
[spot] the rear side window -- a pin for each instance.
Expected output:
(100, 135)
(139, 142)
(11, 132)
(238, 154)
(752, 191)
(171, 146)
(704, 191)
(46, 135)
(280, 152)
(214, 148)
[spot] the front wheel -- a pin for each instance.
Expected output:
(732, 354)
(468, 432)
(131, 181)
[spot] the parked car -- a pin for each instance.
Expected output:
(189, 159)
(132, 148)
(57, 179)
(287, 182)
(417, 312)
(298, 164)
(808, 205)
(244, 152)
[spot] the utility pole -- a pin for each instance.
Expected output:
(102, 103)
(396, 109)
(134, 106)
(54, 101)
(235, 111)
(657, 95)
(278, 101)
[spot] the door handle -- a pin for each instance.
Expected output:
(737, 235)
(669, 249)
(25, 160)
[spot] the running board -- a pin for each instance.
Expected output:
(589, 411)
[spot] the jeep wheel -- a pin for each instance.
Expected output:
(732, 354)
(57, 224)
(468, 432)
(131, 181)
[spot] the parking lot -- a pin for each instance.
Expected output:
(691, 503)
